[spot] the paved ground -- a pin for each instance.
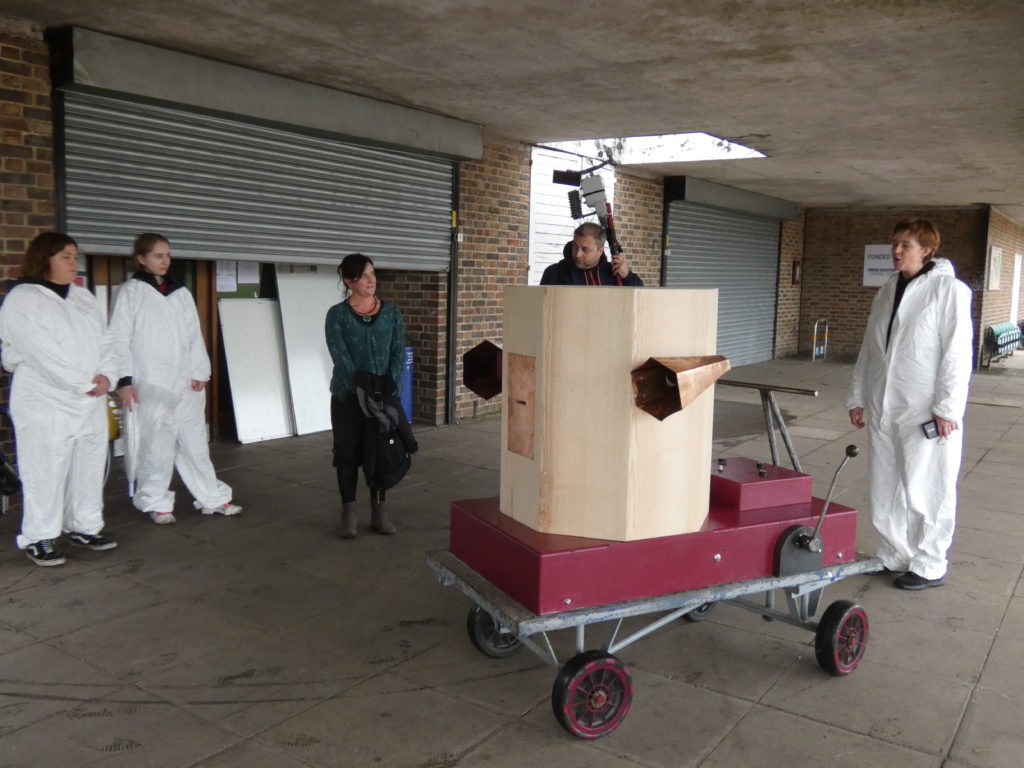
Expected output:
(266, 641)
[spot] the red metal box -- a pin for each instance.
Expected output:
(739, 484)
(547, 572)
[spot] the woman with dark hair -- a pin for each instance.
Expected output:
(163, 369)
(910, 390)
(56, 345)
(366, 335)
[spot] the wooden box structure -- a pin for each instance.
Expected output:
(579, 458)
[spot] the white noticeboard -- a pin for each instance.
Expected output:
(254, 348)
(877, 263)
(306, 293)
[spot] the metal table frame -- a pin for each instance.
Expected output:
(802, 592)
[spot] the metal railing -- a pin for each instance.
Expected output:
(773, 416)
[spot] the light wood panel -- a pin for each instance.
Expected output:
(601, 467)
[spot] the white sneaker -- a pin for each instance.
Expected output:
(227, 509)
(162, 518)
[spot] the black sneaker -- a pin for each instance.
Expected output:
(95, 542)
(911, 580)
(44, 553)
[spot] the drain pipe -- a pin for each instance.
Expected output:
(451, 341)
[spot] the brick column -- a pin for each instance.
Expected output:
(494, 220)
(26, 155)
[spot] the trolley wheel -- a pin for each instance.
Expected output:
(592, 694)
(841, 638)
(489, 637)
(701, 612)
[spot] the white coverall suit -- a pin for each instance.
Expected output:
(55, 347)
(925, 370)
(159, 344)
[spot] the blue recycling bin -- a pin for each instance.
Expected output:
(407, 385)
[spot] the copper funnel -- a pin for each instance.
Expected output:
(664, 385)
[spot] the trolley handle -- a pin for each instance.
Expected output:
(812, 542)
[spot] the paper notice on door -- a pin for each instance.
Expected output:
(227, 276)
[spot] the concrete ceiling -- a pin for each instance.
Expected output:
(905, 103)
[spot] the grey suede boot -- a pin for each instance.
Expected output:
(379, 519)
(348, 521)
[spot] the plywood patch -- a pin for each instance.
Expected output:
(522, 390)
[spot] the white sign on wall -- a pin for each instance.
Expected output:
(995, 267)
(877, 263)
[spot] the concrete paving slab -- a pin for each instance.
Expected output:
(47, 611)
(1004, 545)
(507, 687)
(270, 679)
(922, 645)
(39, 681)
(126, 729)
(384, 721)
(507, 748)
(881, 700)
(769, 737)
(991, 736)
(249, 755)
(129, 648)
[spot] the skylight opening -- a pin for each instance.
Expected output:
(666, 148)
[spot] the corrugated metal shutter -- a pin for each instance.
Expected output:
(737, 254)
(227, 189)
(551, 222)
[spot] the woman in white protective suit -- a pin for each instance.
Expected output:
(56, 345)
(163, 369)
(913, 370)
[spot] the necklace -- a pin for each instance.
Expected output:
(367, 316)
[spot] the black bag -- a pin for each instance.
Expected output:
(387, 461)
(388, 441)
(9, 482)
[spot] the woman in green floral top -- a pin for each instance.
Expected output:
(363, 334)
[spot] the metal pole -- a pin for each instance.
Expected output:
(771, 428)
(784, 431)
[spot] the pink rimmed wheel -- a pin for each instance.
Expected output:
(592, 694)
(841, 638)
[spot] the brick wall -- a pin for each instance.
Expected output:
(423, 298)
(787, 308)
(833, 265)
(26, 169)
(494, 221)
(1005, 233)
(639, 202)
(26, 154)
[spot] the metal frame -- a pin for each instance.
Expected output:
(773, 416)
(814, 341)
(802, 592)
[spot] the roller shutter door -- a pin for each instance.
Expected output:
(227, 189)
(739, 255)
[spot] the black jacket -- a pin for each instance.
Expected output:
(565, 272)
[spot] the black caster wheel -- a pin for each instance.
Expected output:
(490, 638)
(841, 638)
(701, 612)
(592, 694)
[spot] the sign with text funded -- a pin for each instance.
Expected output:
(877, 263)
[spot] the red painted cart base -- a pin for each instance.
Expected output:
(547, 573)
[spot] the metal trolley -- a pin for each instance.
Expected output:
(593, 690)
